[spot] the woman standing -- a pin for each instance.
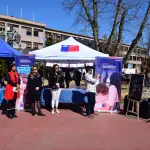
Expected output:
(56, 81)
(34, 90)
(12, 91)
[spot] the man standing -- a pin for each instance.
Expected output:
(91, 90)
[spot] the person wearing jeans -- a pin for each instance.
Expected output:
(56, 81)
(91, 90)
(55, 100)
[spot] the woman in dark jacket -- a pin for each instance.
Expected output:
(34, 90)
(56, 81)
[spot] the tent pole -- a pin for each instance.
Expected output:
(43, 73)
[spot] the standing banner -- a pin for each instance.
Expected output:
(23, 64)
(108, 89)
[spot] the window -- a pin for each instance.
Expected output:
(29, 32)
(35, 45)
(134, 58)
(28, 45)
(36, 33)
(130, 57)
(2, 27)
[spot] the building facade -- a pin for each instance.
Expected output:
(34, 36)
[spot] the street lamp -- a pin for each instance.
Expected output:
(2, 35)
(13, 36)
(17, 38)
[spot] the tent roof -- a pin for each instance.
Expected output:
(54, 53)
(7, 51)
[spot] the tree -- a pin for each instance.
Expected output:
(3, 67)
(116, 20)
(121, 27)
(138, 36)
(88, 12)
(128, 13)
(49, 42)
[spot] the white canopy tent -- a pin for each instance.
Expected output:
(55, 54)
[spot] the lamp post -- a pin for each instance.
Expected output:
(12, 36)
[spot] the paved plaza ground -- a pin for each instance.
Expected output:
(72, 131)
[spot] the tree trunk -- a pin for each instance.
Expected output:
(93, 21)
(119, 6)
(139, 35)
(95, 25)
(96, 40)
(121, 27)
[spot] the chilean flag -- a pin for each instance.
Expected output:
(70, 48)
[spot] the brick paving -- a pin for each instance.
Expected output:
(72, 131)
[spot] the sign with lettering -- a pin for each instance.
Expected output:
(22, 61)
(108, 89)
(23, 64)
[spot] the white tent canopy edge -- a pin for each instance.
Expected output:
(53, 53)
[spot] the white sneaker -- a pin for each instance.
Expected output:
(53, 112)
(57, 111)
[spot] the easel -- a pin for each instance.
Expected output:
(134, 102)
(137, 104)
(133, 111)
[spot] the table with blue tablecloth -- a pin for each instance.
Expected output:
(75, 96)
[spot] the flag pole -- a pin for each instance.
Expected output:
(7, 10)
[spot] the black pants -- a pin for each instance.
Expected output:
(77, 82)
(35, 98)
(38, 105)
(67, 84)
(91, 103)
(11, 106)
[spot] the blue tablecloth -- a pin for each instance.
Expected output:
(76, 96)
(1, 95)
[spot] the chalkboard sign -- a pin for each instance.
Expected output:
(136, 87)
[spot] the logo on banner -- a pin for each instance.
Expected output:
(21, 104)
(109, 66)
(70, 48)
(23, 61)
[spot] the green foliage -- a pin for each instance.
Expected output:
(3, 67)
(49, 42)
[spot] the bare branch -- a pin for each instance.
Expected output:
(139, 35)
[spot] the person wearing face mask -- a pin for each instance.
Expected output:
(34, 86)
(12, 91)
(91, 90)
(56, 81)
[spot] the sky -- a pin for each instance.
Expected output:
(52, 14)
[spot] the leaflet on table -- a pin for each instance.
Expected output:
(23, 64)
(108, 90)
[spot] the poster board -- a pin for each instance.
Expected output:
(108, 89)
(136, 87)
(23, 64)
